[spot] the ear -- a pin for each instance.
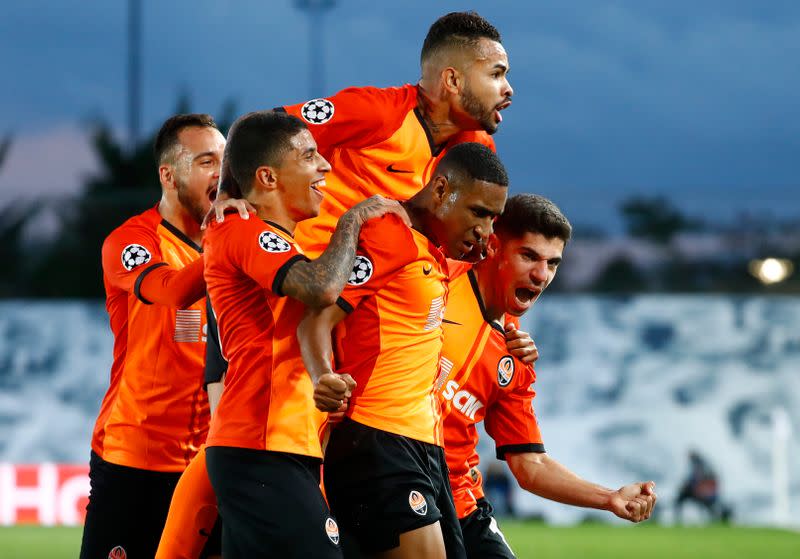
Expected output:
(492, 246)
(451, 80)
(166, 175)
(441, 187)
(266, 177)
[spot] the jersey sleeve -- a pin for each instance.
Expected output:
(355, 117)
(264, 254)
(130, 253)
(385, 246)
(510, 420)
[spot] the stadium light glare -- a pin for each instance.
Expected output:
(771, 270)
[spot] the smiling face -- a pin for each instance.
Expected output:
(465, 214)
(300, 177)
(485, 90)
(196, 168)
(524, 267)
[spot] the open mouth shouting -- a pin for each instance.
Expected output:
(502, 106)
(525, 296)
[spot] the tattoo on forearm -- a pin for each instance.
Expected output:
(319, 282)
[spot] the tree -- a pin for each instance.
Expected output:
(656, 219)
(125, 184)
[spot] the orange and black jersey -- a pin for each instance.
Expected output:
(480, 381)
(268, 399)
(391, 339)
(155, 413)
(377, 143)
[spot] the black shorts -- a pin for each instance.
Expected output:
(381, 485)
(127, 508)
(271, 505)
(482, 537)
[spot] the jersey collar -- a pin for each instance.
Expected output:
(473, 281)
(181, 235)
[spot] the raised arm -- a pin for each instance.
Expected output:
(331, 390)
(543, 476)
(318, 283)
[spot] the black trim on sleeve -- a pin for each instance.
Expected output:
(344, 305)
(138, 283)
(528, 447)
(181, 235)
(280, 275)
(216, 365)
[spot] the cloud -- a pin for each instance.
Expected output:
(47, 164)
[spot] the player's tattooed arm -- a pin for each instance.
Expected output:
(318, 283)
(331, 390)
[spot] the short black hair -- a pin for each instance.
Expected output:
(457, 29)
(531, 213)
(167, 137)
(472, 160)
(257, 139)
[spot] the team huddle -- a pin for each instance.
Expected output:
(304, 377)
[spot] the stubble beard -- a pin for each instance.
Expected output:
(195, 208)
(476, 110)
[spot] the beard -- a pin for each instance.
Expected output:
(194, 205)
(474, 108)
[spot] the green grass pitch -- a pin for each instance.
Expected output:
(529, 540)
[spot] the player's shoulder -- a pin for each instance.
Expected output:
(141, 228)
(236, 232)
(457, 269)
(382, 96)
(477, 136)
(385, 230)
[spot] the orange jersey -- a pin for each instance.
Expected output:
(480, 381)
(155, 413)
(268, 399)
(391, 340)
(377, 143)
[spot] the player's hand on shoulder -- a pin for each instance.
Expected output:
(520, 344)
(220, 205)
(332, 392)
(378, 206)
(634, 502)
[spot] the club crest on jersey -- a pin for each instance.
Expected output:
(362, 271)
(418, 503)
(505, 370)
(118, 553)
(271, 242)
(332, 529)
(317, 111)
(135, 255)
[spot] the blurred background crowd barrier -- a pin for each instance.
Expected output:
(626, 388)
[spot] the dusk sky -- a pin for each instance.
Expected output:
(696, 101)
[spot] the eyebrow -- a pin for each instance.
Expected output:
(501, 66)
(555, 259)
(204, 154)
